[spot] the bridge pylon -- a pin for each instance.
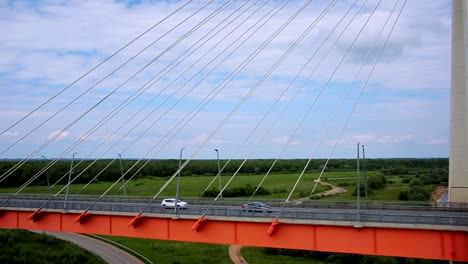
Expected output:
(458, 171)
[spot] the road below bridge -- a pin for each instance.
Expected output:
(107, 252)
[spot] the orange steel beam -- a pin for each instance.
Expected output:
(384, 241)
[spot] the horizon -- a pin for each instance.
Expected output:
(176, 159)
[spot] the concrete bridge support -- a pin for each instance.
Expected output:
(458, 172)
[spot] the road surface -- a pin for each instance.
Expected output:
(381, 212)
(107, 252)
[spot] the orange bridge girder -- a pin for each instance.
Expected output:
(430, 242)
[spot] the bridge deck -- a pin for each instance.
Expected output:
(335, 237)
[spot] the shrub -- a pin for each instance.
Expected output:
(238, 191)
(376, 182)
(403, 195)
(416, 182)
(418, 193)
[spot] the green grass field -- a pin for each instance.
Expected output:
(389, 193)
(278, 185)
(187, 253)
(192, 186)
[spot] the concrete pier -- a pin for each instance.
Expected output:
(458, 171)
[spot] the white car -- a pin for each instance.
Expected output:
(172, 203)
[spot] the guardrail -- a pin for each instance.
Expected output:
(232, 208)
(346, 204)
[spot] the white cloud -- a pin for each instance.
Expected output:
(373, 138)
(217, 141)
(46, 45)
(58, 135)
(199, 139)
(10, 134)
(280, 140)
(283, 140)
(438, 141)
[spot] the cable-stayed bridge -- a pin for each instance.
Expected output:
(188, 64)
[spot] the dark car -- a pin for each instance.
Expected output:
(256, 207)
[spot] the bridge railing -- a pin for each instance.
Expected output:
(302, 203)
(338, 212)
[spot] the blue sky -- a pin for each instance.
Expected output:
(404, 111)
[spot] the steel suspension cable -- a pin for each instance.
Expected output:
(215, 67)
(286, 53)
(303, 85)
(165, 100)
(278, 100)
(96, 84)
(229, 181)
(360, 94)
(94, 68)
(348, 91)
(178, 41)
(317, 97)
(24, 160)
(11, 170)
(219, 126)
(215, 91)
(331, 121)
(141, 91)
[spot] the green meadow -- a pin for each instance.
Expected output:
(192, 186)
(278, 186)
(173, 252)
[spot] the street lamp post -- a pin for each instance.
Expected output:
(47, 174)
(178, 180)
(219, 176)
(358, 193)
(69, 179)
(365, 172)
(122, 175)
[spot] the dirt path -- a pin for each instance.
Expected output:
(437, 193)
(334, 190)
(236, 255)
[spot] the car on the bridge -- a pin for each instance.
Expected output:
(171, 202)
(256, 207)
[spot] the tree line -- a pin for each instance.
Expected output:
(21, 246)
(165, 168)
(342, 258)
